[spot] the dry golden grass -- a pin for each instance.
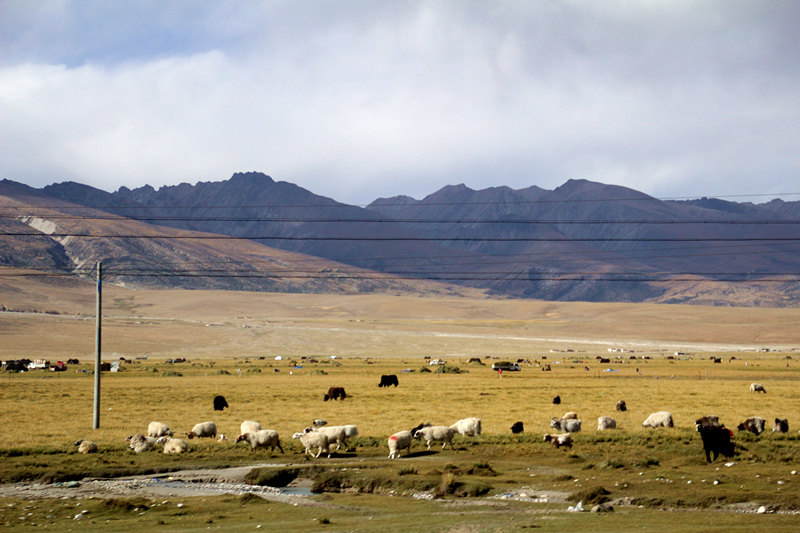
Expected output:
(395, 332)
(54, 410)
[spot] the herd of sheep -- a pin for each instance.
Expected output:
(319, 438)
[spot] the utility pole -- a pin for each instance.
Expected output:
(96, 424)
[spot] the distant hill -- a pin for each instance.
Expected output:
(592, 232)
(581, 241)
(38, 232)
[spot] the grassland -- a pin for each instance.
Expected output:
(647, 474)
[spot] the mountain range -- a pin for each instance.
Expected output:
(581, 241)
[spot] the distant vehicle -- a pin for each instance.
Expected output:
(507, 366)
(38, 363)
(437, 362)
(59, 367)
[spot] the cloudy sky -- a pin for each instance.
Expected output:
(362, 99)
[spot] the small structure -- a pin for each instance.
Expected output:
(506, 365)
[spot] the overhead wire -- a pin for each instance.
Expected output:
(428, 274)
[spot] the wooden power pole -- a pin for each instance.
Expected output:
(96, 424)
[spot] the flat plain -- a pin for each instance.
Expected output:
(660, 358)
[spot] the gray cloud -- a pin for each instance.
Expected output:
(356, 100)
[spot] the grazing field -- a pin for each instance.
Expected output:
(494, 482)
(45, 413)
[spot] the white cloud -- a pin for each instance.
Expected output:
(358, 100)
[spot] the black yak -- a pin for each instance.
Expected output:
(220, 403)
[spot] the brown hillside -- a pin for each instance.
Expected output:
(137, 254)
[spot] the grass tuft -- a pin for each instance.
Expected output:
(590, 496)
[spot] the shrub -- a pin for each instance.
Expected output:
(447, 485)
(644, 463)
(482, 469)
(612, 463)
(171, 373)
(450, 369)
(591, 496)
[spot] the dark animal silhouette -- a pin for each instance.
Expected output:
(335, 393)
(622, 406)
(517, 428)
(781, 426)
(220, 403)
(387, 380)
(417, 428)
(716, 441)
(557, 400)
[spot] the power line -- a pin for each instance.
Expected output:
(62, 235)
(553, 222)
(632, 278)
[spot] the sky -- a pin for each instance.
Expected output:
(357, 100)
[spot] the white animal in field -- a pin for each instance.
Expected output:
(563, 439)
(606, 422)
(399, 441)
(86, 446)
(173, 446)
(570, 425)
(659, 419)
(261, 439)
(468, 426)
(158, 429)
(249, 426)
(314, 439)
(203, 429)
(443, 434)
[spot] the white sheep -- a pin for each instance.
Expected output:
(468, 426)
(399, 441)
(314, 439)
(158, 429)
(140, 443)
(757, 387)
(86, 446)
(569, 425)
(261, 439)
(659, 419)
(571, 415)
(564, 439)
(203, 429)
(317, 423)
(606, 422)
(249, 426)
(173, 446)
(436, 434)
(337, 434)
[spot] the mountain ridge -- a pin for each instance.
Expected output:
(583, 240)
